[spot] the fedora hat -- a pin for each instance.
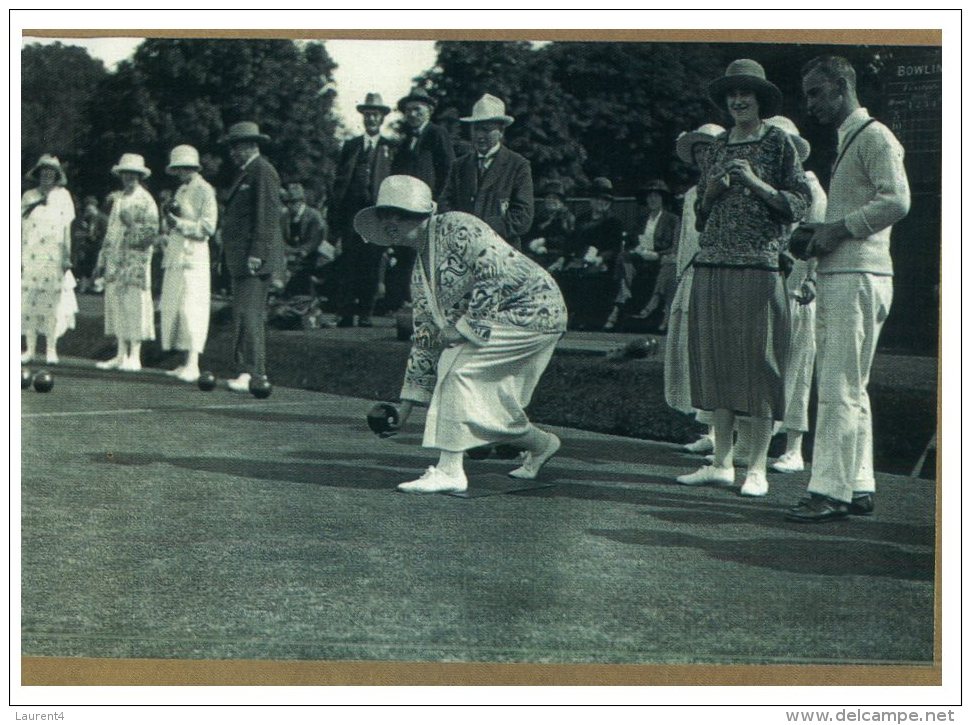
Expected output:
(601, 188)
(183, 157)
(802, 145)
(244, 131)
(133, 163)
(553, 186)
(488, 108)
(419, 95)
(294, 192)
(750, 76)
(706, 133)
(373, 102)
(396, 192)
(654, 185)
(50, 162)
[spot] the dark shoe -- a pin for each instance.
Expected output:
(345, 322)
(365, 322)
(816, 509)
(861, 505)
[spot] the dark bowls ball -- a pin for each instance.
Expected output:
(207, 381)
(382, 418)
(260, 387)
(43, 382)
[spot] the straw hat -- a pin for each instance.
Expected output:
(133, 163)
(601, 188)
(49, 162)
(244, 131)
(373, 102)
(750, 76)
(183, 157)
(706, 133)
(396, 192)
(488, 108)
(802, 145)
(418, 94)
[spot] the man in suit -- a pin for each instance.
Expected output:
(365, 161)
(252, 247)
(427, 154)
(492, 183)
(305, 231)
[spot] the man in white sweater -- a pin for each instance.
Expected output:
(868, 193)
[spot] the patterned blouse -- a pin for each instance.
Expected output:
(132, 230)
(477, 280)
(741, 230)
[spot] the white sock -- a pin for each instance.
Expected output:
(451, 463)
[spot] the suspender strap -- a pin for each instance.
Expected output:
(849, 143)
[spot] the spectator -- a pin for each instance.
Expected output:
(89, 233)
(548, 240)
(492, 182)
(126, 264)
(365, 161)
(305, 232)
(868, 193)
(47, 302)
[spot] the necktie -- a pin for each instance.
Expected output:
(482, 166)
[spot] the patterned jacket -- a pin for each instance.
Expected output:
(132, 230)
(477, 280)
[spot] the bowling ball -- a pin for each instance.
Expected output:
(43, 381)
(25, 377)
(639, 348)
(260, 387)
(480, 453)
(207, 381)
(382, 418)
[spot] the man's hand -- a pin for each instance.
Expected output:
(254, 264)
(826, 237)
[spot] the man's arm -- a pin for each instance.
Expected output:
(883, 162)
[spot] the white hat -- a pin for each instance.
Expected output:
(488, 108)
(396, 192)
(49, 162)
(801, 144)
(706, 133)
(131, 162)
(183, 157)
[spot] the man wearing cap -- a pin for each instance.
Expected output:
(305, 231)
(365, 161)
(492, 183)
(427, 154)
(252, 247)
(868, 193)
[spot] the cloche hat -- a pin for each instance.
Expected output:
(50, 162)
(748, 75)
(396, 192)
(706, 133)
(802, 145)
(131, 162)
(183, 157)
(488, 108)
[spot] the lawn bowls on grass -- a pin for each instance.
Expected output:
(207, 381)
(260, 387)
(43, 381)
(383, 419)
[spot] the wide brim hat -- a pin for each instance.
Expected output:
(373, 102)
(706, 134)
(488, 108)
(183, 157)
(50, 162)
(396, 192)
(602, 188)
(243, 131)
(803, 147)
(748, 75)
(133, 163)
(417, 94)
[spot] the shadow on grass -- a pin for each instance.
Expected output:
(271, 417)
(799, 556)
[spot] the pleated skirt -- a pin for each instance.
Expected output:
(738, 341)
(482, 391)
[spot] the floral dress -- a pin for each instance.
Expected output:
(45, 250)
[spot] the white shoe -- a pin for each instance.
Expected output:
(130, 365)
(789, 463)
(705, 444)
(52, 358)
(708, 474)
(191, 375)
(435, 481)
(175, 373)
(531, 464)
(240, 384)
(112, 364)
(25, 357)
(755, 484)
(736, 460)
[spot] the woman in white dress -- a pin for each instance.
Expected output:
(125, 263)
(190, 220)
(47, 302)
(486, 321)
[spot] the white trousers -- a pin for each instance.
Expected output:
(850, 312)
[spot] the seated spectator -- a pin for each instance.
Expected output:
(88, 233)
(549, 238)
(305, 232)
(663, 242)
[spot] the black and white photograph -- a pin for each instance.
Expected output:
(478, 357)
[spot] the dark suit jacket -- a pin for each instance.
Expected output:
(429, 161)
(251, 221)
(666, 232)
(345, 201)
(504, 201)
(310, 229)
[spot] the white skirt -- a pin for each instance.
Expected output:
(482, 391)
(129, 312)
(799, 371)
(677, 373)
(185, 308)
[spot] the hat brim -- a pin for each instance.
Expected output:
(171, 168)
(371, 229)
(507, 120)
(365, 107)
(119, 170)
(685, 145)
(61, 176)
(770, 97)
(230, 140)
